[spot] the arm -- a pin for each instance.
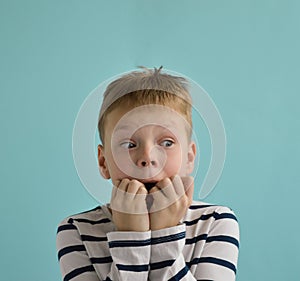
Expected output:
(167, 261)
(218, 259)
(171, 199)
(212, 238)
(72, 255)
(214, 246)
(125, 255)
(205, 248)
(128, 259)
(131, 254)
(130, 244)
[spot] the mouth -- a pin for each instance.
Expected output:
(149, 185)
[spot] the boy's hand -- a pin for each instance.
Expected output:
(171, 199)
(128, 204)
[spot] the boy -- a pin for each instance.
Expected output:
(151, 230)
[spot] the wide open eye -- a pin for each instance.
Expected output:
(167, 143)
(128, 144)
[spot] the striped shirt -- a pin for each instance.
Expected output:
(204, 246)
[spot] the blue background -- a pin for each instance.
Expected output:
(245, 54)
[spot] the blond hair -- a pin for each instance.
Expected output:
(146, 87)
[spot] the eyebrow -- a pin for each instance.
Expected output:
(170, 124)
(123, 128)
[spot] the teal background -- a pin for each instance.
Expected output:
(245, 54)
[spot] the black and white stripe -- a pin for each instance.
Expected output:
(205, 246)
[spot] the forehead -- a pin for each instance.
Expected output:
(149, 114)
(132, 119)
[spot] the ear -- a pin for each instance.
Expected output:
(103, 169)
(191, 157)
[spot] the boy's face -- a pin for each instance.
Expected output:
(147, 143)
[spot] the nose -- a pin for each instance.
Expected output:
(145, 163)
(147, 157)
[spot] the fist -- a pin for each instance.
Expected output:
(171, 199)
(128, 205)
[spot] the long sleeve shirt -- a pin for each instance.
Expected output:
(204, 246)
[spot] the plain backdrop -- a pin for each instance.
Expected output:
(245, 54)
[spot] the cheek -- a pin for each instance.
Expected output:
(121, 164)
(115, 169)
(123, 160)
(174, 163)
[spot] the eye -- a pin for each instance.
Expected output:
(128, 144)
(167, 143)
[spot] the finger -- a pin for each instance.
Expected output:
(157, 200)
(163, 195)
(140, 199)
(121, 192)
(157, 196)
(114, 191)
(115, 199)
(166, 188)
(137, 190)
(164, 183)
(142, 190)
(133, 186)
(154, 189)
(116, 183)
(178, 186)
(188, 183)
(124, 184)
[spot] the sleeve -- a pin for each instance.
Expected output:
(218, 259)
(72, 256)
(129, 256)
(167, 261)
(215, 260)
(130, 253)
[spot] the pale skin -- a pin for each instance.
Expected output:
(149, 160)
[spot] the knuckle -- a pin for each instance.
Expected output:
(164, 183)
(134, 181)
(142, 190)
(167, 181)
(126, 181)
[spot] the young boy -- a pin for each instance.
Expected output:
(152, 229)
